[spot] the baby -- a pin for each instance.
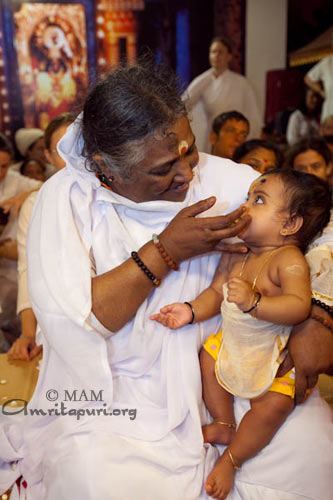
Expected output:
(260, 297)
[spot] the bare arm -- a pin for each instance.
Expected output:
(25, 347)
(208, 303)
(205, 306)
(315, 86)
(117, 294)
(14, 204)
(8, 250)
(294, 303)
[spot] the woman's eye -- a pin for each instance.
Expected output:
(258, 199)
(165, 171)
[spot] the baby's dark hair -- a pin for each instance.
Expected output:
(308, 196)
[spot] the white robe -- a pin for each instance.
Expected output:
(76, 226)
(323, 71)
(207, 96)
(300, 127)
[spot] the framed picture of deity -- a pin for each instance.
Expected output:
(48, 58)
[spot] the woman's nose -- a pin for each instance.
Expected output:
(184, 170)
(185, 166)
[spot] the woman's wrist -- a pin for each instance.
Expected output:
(153, 261)
(164, 254)
(170, 249)
(322, 316)
(322, 305)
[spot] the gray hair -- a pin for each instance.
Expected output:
(124, 110)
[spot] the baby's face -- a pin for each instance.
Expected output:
(266, 206)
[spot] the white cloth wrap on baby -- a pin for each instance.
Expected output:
(250, 353)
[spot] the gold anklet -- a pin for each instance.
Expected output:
(235, 466)
(230, 426)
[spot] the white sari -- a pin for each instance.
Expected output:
(79, 228)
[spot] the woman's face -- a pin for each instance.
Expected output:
(166, 172)
(5, 160)
(260, 159)
(311, 100)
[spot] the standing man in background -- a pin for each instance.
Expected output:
(219, 90)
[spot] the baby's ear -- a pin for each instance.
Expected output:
(292, 225)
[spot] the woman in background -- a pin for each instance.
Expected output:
(304, 122)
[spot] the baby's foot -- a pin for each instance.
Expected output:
(220, 481)
(218, 432)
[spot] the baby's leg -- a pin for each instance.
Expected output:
(219, 403)
(257, 428)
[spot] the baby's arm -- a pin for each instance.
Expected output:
(205, 306)
(294, 304)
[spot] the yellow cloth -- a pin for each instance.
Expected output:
(284, 385)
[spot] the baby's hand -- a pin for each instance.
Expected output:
(240, 292)
(174, 315)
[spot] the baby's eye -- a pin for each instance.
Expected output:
(258, 199)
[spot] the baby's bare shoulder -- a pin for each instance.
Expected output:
(290, 258)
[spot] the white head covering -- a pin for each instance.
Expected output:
(25, 137)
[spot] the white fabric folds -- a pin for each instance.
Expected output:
(149, 444)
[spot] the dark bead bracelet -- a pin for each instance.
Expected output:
(322, 305)
(149, 274)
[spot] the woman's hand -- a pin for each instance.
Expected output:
(310, 349)
(187, 235)
(24, 348)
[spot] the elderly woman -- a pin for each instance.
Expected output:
(129, 224)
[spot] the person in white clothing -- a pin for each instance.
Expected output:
(217, 91)
(131, 222)
(25, 346)
(260, 296)
(31, 146)
(12, 184)
(304, 122)
(320, 79)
